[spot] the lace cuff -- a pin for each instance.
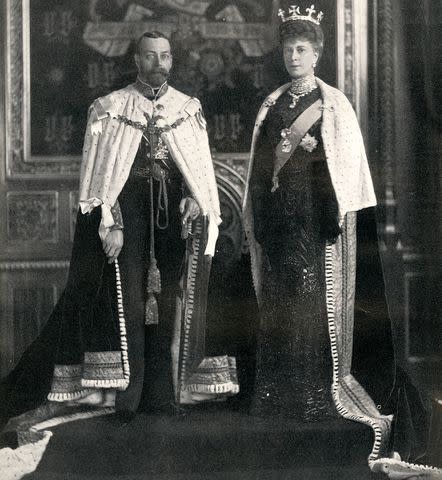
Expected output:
(117, 216)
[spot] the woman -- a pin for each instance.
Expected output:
(308, 177)
(292, 227)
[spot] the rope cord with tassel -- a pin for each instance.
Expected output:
(163, 204)
(153, 274)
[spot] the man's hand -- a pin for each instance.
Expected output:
(189, 209)
(112, 244)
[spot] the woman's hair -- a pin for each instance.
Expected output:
(303, 29)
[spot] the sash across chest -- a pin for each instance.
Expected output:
(293, 135)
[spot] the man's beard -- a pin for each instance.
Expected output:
(157, 78)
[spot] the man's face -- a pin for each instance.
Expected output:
(154, 60)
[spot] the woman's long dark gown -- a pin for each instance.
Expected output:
(293, 359)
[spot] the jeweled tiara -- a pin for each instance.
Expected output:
(294, 13)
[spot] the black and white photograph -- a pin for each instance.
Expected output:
(221, 230)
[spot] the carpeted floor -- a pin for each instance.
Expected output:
(205, 445)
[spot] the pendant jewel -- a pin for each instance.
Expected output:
(301, 87)
(286, 146)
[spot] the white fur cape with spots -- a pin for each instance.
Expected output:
(110, 147)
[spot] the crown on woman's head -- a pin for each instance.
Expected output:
(294, 13)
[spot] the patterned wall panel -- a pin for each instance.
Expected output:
(32, 216)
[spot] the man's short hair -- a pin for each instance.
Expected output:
(154, 34)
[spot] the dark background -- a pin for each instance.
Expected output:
(67, 74)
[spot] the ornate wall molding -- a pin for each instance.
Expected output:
(230, 171)
(19, 162)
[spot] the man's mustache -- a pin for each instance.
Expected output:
(159, 70)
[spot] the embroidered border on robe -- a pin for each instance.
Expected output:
(99, 369)
(196, 374)
(214, 375)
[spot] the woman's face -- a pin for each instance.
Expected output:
(299, 56)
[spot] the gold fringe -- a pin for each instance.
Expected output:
(122, 324)
(221, 388)
(66, 396)
(188, 305)
(119, 383)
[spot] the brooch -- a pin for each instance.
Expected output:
(308, 143)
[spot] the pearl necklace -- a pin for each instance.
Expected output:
(301, 87)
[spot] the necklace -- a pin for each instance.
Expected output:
(301, 87)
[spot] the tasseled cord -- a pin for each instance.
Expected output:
(153, 274)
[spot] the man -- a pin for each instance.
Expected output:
(147, 183)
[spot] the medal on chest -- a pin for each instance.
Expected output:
(155, 125)
(286, 145)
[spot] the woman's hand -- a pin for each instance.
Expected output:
(112, 244)
(189, 209)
